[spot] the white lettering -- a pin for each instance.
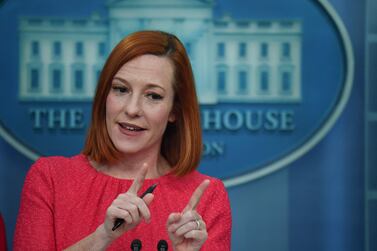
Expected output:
(211, 118)
(251, 120)
(72, 119)
(213, 149)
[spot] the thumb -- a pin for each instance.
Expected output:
(148, 198)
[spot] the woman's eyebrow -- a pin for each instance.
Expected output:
(152, 85)
(148, 86)
(121, 80)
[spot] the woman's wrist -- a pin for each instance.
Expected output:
(102, 238)
(98, 240)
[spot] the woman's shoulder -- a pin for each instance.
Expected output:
(215, 196)
(59, 161)
(195, 178)
(196, 175)
(59, 165)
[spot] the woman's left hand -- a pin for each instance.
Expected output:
(187, 230)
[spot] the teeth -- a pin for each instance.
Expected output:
(131, 128)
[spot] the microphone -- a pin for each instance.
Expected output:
(136, 245)
(162, 245)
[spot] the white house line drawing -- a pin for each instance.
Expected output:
(233, 60)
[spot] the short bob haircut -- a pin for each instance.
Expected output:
(182, 140)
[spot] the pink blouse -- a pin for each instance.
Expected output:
(65, 199)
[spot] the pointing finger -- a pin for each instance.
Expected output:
(196, 196)
(139, 180)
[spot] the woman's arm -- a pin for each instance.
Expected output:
(218, 217)
(98, 240)
(127, 206)
(35, 223)
(35, 229)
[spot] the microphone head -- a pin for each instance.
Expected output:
(136, 245)
(162, 245)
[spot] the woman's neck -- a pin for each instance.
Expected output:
(129, 166)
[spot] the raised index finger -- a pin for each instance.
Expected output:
(139, 180)
(196, 196)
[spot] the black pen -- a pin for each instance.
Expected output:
(118, 222)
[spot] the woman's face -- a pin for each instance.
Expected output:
(139, 104)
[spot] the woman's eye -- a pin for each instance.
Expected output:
(120, 89)
(154, 96)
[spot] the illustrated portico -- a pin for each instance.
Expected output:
(233, 60)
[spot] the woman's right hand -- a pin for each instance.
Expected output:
(129, 207)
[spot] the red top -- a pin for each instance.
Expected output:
(65, 199)
(3, 240)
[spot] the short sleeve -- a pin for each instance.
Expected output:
(35, 224)
(218, 219)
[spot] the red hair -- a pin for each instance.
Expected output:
(182, 141)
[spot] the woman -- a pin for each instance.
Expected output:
(145, 129)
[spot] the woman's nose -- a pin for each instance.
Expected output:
(132, 106)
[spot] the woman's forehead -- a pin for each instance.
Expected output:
(147, 68)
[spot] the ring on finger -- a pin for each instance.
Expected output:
(197, 224)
